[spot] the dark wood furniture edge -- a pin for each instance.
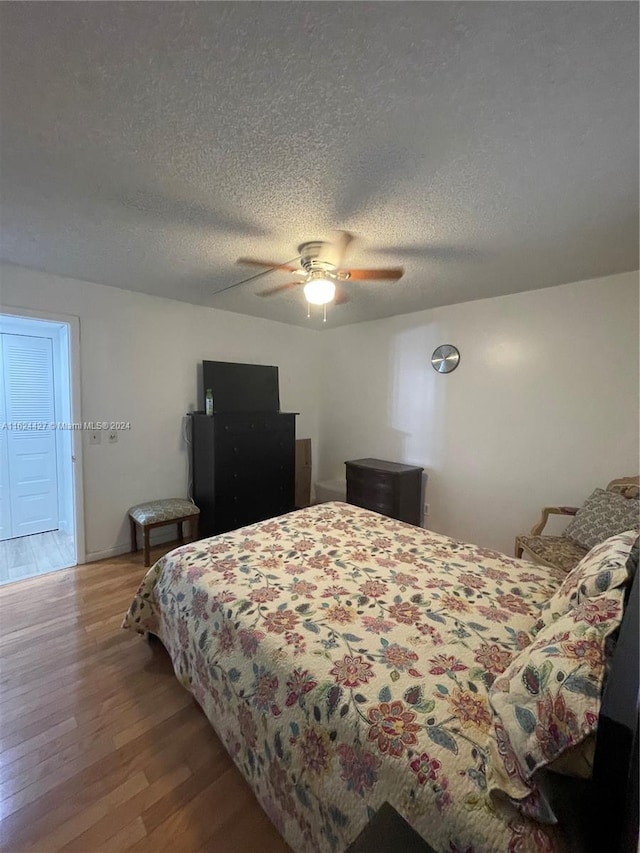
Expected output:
(398, 468)
(389, 832)
(614, 796)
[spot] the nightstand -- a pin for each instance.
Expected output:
(386, 487)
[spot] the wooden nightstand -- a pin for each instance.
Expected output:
(386, 487)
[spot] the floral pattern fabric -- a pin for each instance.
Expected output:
(603, 568)
(345, 659)
(548, 700)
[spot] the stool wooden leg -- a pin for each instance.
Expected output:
(147, 555)
(518, 550)
(180, 532)
(195, 526)
(132, 528)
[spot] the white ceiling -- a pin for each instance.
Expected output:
(489, 148)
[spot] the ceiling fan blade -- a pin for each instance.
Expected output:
(269, 264)
(374, 275)
(279, 289)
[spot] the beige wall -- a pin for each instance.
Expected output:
(139, 356)
(542, 408)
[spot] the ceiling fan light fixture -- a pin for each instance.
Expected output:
(320, 291)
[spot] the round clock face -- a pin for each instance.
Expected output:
(445, 358)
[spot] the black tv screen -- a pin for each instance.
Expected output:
(241, 387)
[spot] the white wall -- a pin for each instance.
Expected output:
(139, 356)
(542, 408)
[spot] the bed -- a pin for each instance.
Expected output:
(346, 659)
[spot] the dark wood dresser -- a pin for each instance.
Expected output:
(386, 487)
(243, 468)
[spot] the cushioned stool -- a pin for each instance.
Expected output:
(158, 513)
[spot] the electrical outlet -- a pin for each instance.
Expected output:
(95, 436)
(427, 509)
(112, 437)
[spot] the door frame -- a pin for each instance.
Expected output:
(73, 327)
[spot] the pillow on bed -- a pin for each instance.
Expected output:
(607, 566)
(602, 515)
(548, 699)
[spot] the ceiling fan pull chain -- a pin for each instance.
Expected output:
(324, 309)
(257, 275)
(308, 310)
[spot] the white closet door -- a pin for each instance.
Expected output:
(5, 494)
(29, 399)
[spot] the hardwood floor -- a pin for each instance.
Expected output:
(101, 750)
(27, 556)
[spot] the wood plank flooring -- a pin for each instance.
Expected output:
(27, 556)
(101, 750)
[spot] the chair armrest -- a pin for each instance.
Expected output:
(552, 510)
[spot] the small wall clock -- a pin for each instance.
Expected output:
(445, 358)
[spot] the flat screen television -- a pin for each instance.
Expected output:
(241, 387)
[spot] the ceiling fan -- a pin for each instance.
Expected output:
(322, 272)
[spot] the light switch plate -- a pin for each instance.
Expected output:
(95, 436)
(112, 436)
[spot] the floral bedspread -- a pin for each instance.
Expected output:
(345, 658)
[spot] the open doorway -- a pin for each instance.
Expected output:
(40, 509)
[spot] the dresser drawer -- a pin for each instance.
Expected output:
(383, 507)
(378, 480)
(389, 488)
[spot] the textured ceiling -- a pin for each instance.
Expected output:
(489, 148)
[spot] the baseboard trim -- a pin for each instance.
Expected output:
(161, 536)
(92, 556)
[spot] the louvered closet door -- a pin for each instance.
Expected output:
(29, 399)
(5, 493)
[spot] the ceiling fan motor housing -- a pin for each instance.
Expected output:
(318, 256)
